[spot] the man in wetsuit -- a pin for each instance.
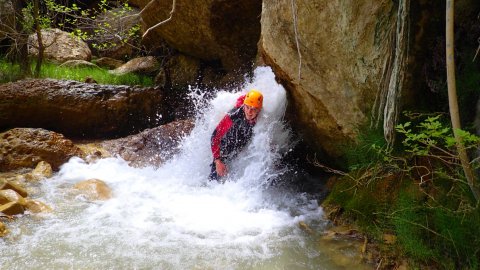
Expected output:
(234, 132)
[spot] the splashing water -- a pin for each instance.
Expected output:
(171, 217)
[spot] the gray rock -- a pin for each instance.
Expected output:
(60, 46)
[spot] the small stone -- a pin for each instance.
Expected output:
(43, 169)
(3, 230)
(9, 195)
(12, 208)
(94, 189)
(305, 227)
(37, 207)
(11, 185)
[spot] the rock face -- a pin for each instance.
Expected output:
(179, 72)
(211, 30)
(63, 46)
(344, 48)
(78, 109)
(25, 147)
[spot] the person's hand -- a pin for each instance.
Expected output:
(220, 167)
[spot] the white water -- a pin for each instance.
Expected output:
(173, 218)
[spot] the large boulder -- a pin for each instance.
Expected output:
(344, 46)
(180, 71)
(140, 65)
(108, 62)
(26, 147)
(60, 46)
(79, 109)
(211, 30)
(151, 146)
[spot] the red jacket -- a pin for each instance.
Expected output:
(232, 133)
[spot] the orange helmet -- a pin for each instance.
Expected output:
(254, 99)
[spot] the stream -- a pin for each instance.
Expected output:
(172, 217)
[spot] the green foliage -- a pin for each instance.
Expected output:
(9, 72)
(408, 218)
(419, 194)
(433, 134)
(28, 22)
(365, 151)
(54, 71)
(79, 22)
(459, 233)
(100, 75)
(432, 232)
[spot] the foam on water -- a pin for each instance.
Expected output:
(171, 217)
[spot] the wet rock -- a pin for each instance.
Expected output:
(94, 151)
(81, 110)
(26, 147)
(42, 170)
(63, 46)
(343, 230)
(37, 207)
(9, 195)
(344, 251)
(305, 227)
(152, 146)
(4, 185)
(3, 230)
(12, 208)
(94, 189)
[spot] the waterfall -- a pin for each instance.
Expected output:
(172, 217)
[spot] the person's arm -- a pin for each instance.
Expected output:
(220, 131)
(240, 101)
(220, 168)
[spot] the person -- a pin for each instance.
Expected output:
(234, 132)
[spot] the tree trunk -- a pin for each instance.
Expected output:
(38, 31)
(452, 97)
(20, 41)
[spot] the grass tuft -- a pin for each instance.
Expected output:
(11, 72)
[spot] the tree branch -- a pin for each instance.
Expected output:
(160, 23)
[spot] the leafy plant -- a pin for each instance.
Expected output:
(420, 194)
(100, 26)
